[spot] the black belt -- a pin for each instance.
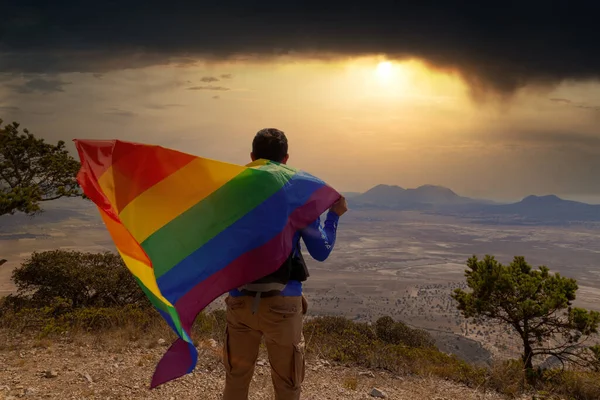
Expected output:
(259, 295)
(251, 293)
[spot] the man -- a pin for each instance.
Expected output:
(270, 308)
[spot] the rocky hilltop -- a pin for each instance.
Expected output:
(90, 368)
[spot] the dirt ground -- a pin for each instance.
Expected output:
(92, 368)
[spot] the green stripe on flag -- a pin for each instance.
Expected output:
(192, 229)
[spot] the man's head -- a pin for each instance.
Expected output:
(270, 144)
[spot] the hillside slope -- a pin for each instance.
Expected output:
(93, 369)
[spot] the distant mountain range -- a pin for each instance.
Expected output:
(440, 200)
(421, 197)
(429, 199)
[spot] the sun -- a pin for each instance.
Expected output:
(384, 70)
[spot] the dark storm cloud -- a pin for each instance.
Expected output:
(6, 77)
(162, 106)
(39, 85)
(209, 87)
(209, 79)
(559, 100)
(588, 107)
(582, 106)
(502, 46)
(121, 113)
(9, 109)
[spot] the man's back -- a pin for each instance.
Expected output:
(276, 315)
(319, 241)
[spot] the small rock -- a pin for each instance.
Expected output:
(162, 342)
(212, 343)
(261, 363)
(377, 393)
(368, 374)
(87, 377)
(50, 374)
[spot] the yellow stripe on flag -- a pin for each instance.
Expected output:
(145, 274)
(158, 205)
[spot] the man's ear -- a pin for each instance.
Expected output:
(285, 159)
(252, 156)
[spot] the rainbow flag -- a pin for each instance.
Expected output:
(190, 229)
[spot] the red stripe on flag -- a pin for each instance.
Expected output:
(138, 167)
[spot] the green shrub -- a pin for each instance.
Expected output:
(98, 319)
(210, 325)
(13, 303)
(579, 385)
(383, 346)
(508, 377)
(595, 357)
(59, 316)
(83, 279)
(393, 332)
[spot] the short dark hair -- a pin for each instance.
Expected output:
(270, 144)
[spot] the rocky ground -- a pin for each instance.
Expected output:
(97, 368)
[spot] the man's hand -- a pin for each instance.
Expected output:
(339, 207)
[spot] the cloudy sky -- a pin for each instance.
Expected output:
(491, 101)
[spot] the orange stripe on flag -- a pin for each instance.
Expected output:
(123, 239)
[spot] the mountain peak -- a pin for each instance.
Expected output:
(395, 196)
(547, 199)
(382, 186)
(436, 189)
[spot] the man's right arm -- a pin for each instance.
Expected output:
(320, 240)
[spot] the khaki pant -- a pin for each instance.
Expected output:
(279, 320)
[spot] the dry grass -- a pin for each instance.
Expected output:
(341, 341)
(118, 376)
(351, 382)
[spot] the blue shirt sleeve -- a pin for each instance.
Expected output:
(319, 239)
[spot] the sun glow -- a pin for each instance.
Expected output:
(390, 79)
(378, 80)
(385, 70)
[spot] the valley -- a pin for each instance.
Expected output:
(385, 262)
